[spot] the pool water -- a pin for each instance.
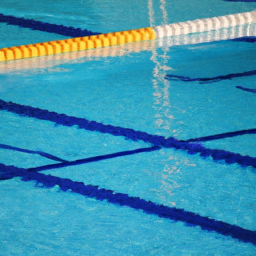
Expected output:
(142, 149)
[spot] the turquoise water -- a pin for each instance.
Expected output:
(126, 87)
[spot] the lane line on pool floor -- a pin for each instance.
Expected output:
(118, 38)
(207, 80)
(45, 27)
(221, 136)
(93, 159)
(140, 204)
(148, 207)
(246, 89)
(34, 152)
(156, 140)
(66, 163)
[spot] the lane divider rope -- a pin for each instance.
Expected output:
(118, 38)
(243, 33)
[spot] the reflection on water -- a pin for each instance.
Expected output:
(162, 106)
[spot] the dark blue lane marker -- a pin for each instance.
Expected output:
(46, 27)
(93, 159)
(148, 207)
(210, 79)
(246, 89)
(222, 135)
(246, 1)
(248, 39)
(43, 154)
(158, 141)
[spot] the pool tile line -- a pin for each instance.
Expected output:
(40, 153)
(45, 27)
(221, 136)
(121, 199)
(207, 80)
(65, 163)
(93, 159)
(248, 39)
(246, 89)
(155, 140)
(122, 37)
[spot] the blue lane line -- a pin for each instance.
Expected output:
(210, 79)
(93, 159)
(46, 27)
(222, 135)
(158, 141)
(248, 39)
(137, 203)
(43, 154)
(246, 89)
(246, 1)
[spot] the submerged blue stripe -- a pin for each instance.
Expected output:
(46, 27)
(159, 141)
(210, 79)
(248, 39)
(43, 154)
(93, 159)
(246, 1)
(246, 89)
(223, 135)
(137, 203)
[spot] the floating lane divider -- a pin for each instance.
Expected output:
(204, 25)
(76, 44)
(118, 38)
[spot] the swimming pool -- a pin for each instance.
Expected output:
(142, 149)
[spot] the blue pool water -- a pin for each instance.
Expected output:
(141, 149)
